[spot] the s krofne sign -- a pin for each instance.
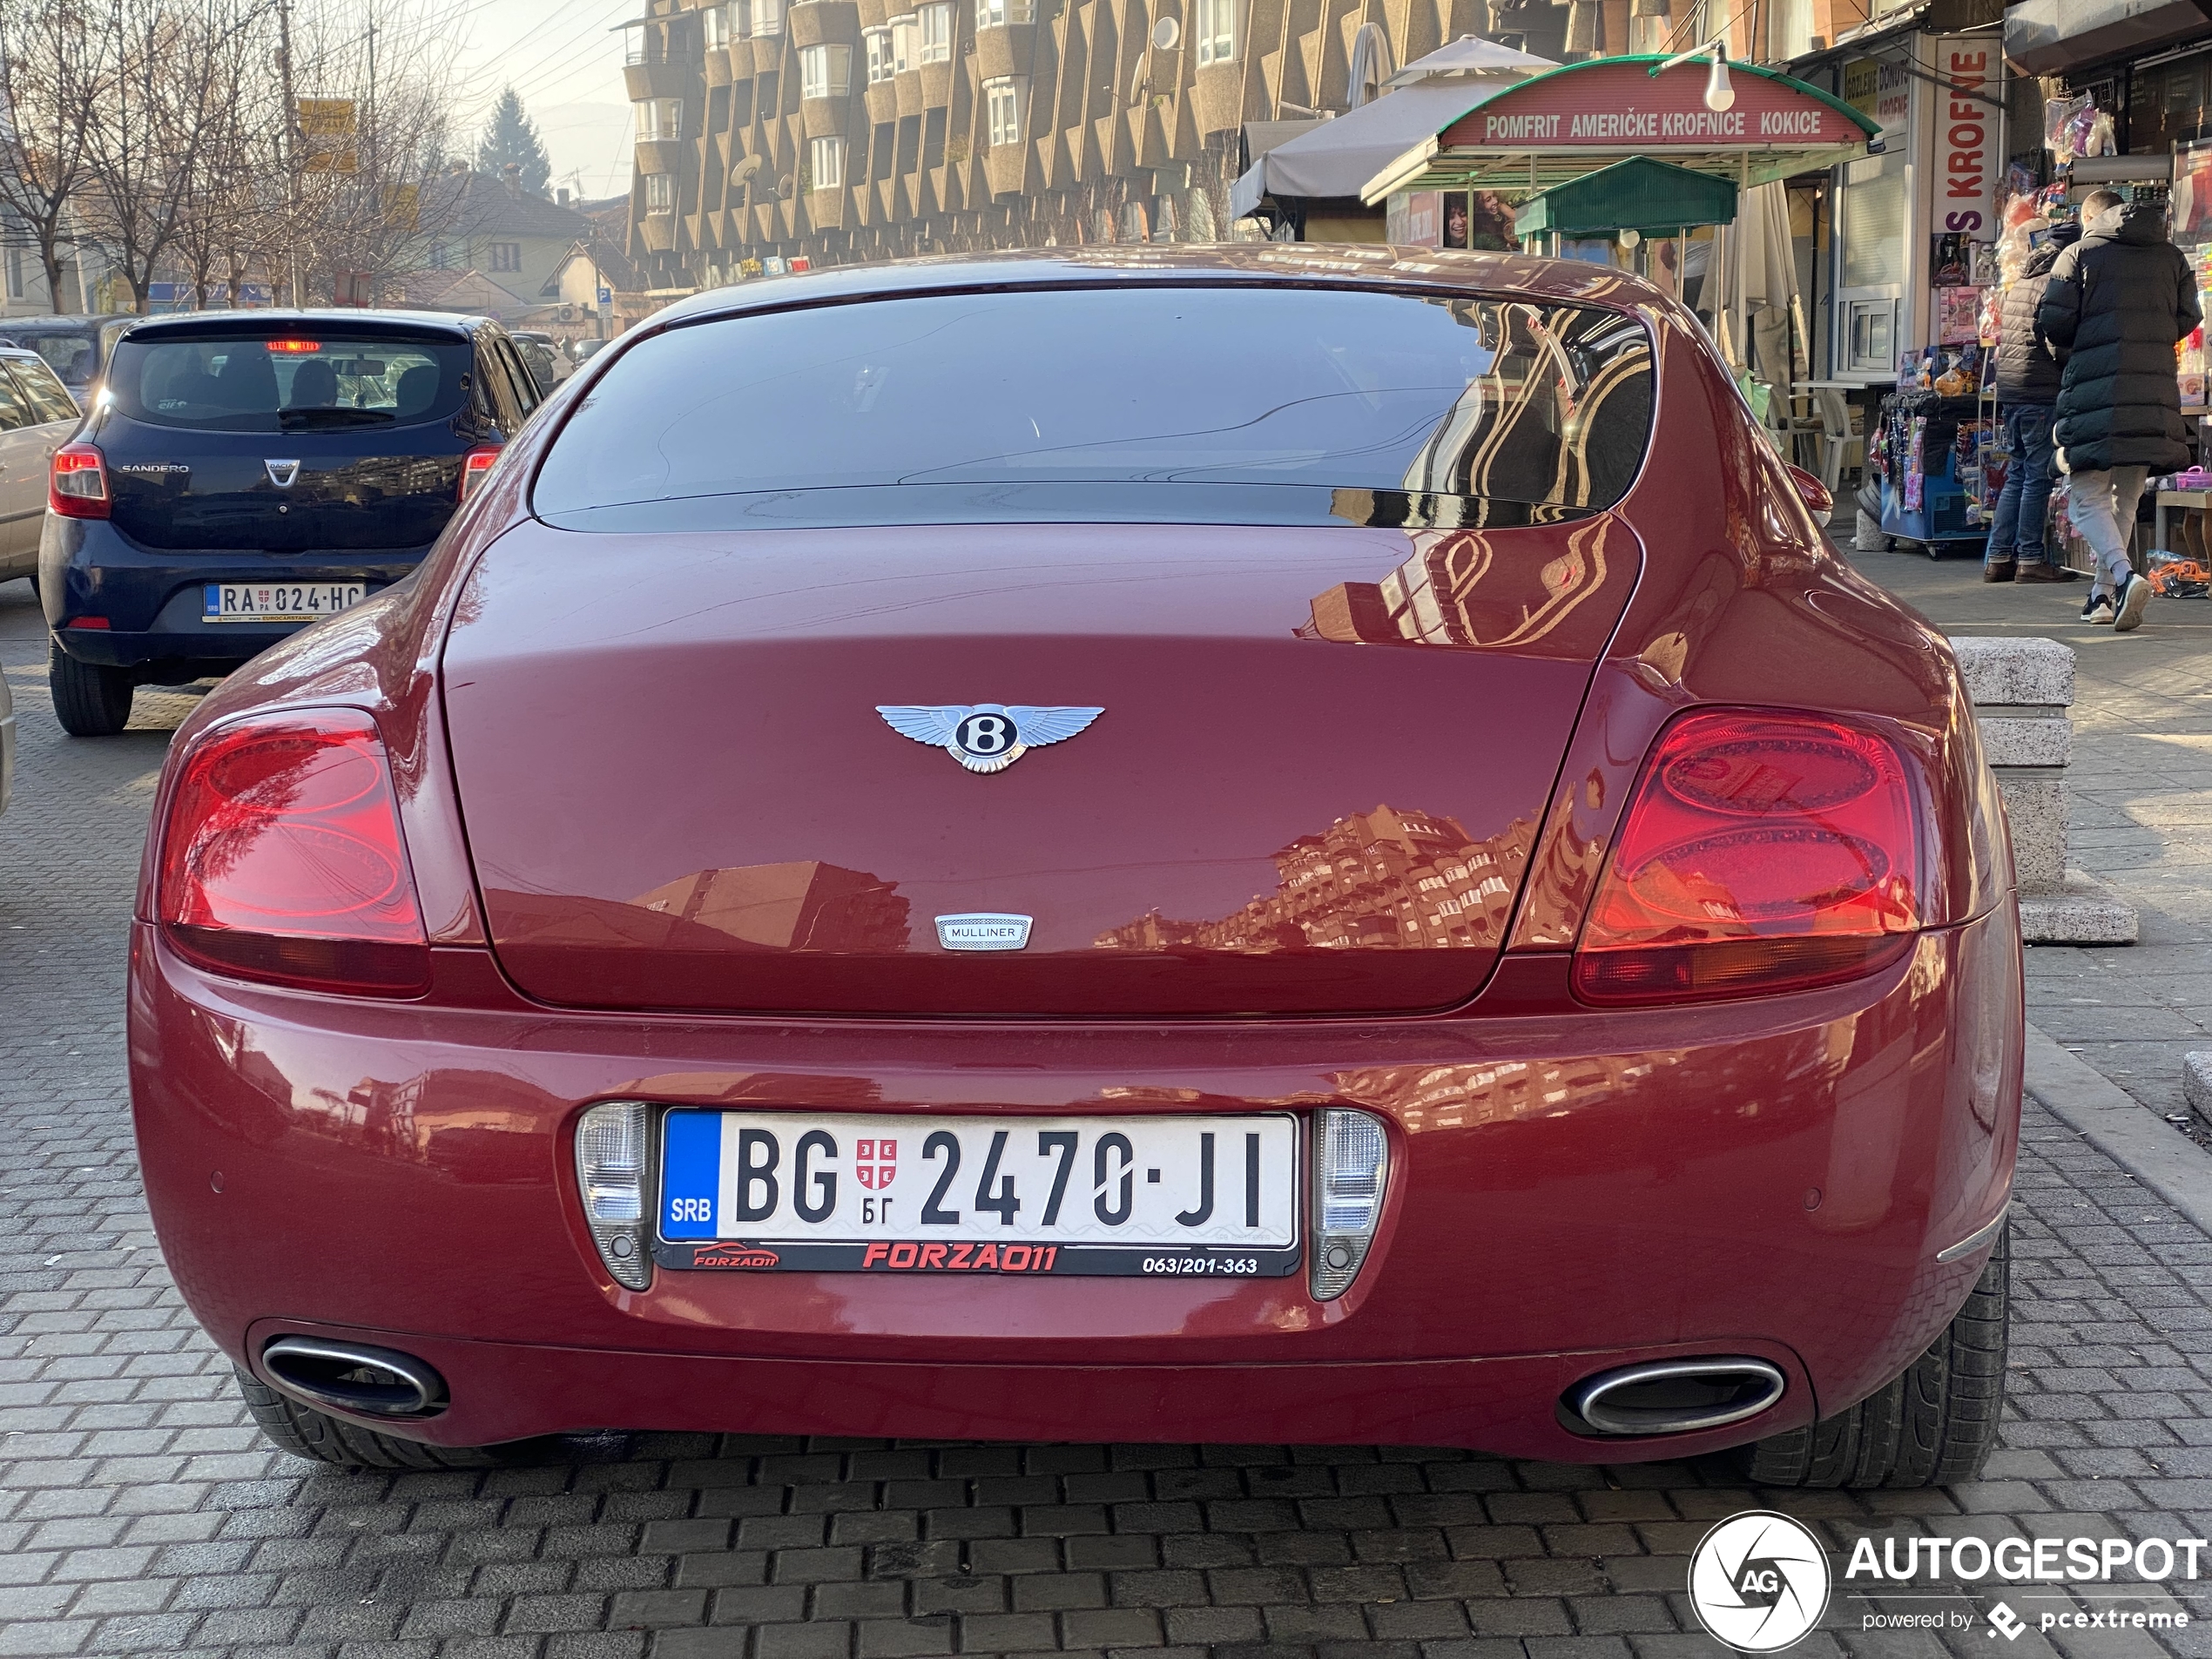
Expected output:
(1556, 126)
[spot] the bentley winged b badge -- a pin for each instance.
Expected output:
(985, 736)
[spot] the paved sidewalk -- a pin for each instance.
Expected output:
(140, 1514)
(2142, 785)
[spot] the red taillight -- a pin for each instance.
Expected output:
(281, 859)
(292, 347)
(475, 465)
(77, 484)
(1759, 853)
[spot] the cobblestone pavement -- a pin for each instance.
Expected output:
(140, 1514)
(2140, 797)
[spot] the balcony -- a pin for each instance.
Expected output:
(660, 80)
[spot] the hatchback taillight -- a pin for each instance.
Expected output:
(76, 483)
(281, 858)
(1759, 853)
(476, 465)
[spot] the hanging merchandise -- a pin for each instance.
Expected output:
(2066, 126)
(1915, 473)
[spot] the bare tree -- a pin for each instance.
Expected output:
(163, 85)
(51, 88)
(363, 204)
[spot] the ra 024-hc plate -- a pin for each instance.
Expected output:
(279, 601)
(1140, 1197)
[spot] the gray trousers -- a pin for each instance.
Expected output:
(2102, 507)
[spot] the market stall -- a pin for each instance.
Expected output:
(1748, 125)
(1638, 204)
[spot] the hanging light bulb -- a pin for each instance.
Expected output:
(1630, 237)
(1719, 95)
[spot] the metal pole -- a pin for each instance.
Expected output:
(290, 148)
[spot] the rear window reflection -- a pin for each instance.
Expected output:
(288, 385)
(1531, 402)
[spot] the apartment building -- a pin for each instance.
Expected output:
(840, 130)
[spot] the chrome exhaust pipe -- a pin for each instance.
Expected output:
(1672, 1396)
(356, 1377)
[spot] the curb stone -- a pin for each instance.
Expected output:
(2132, 1135)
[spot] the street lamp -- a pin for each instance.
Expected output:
(1719, 94)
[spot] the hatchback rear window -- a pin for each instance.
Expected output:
(300, 382)
(1108, 390)
(74, 357)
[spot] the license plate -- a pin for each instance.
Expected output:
(1140, 1197)
(279, 601)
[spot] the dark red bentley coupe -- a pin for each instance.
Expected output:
(1261, 844)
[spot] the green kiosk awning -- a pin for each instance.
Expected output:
(1654, 198)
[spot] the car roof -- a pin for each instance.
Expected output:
(52, 324)
(372, 323)
(1262, 264)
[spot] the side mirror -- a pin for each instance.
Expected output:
(1813, 493)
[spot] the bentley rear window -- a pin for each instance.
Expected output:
(1111, 392)
(305, 381)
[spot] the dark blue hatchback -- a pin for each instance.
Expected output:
(244, 474)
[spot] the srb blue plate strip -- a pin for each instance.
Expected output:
(690, 1172)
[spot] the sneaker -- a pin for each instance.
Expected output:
(2038, 570)
(2134, 600)
(1997, 570)
(2097, 608)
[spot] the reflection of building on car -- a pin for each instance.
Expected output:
(1640, 1080)
(248, 474)
(1381, 877)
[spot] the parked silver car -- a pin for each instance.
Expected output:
(37, 416)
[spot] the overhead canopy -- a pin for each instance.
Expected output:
(1554, 127)
(1638, 194)
(1337, 157)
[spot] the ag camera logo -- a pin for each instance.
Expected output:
(1758, 1582)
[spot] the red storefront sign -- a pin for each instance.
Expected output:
(1620, 104)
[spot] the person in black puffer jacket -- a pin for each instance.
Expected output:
(2116, 302)
(2027, 386)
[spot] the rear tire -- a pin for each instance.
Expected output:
(90, 701)
(320, 1438)
(1932, 1427)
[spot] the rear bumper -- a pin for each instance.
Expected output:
(1571, 1193)
(151, 597)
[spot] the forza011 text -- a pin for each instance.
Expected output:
(1241, 844)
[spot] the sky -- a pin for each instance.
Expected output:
(561, 57)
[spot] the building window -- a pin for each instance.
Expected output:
(660, 119)
(767, 18)
(828, 161)
(936, 32)
(825, 71)
(903, 49)
(441, 257)
(14, 274)
(1216, 27)
(740, 19)
(879, 46)
(714, 21)
(991, 14)
(1005, 101)
(660, 193)
(506, 256)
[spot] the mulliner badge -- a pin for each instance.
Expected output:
(1758, 1582)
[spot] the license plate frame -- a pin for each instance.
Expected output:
(1265, 1173)
(328, 599)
